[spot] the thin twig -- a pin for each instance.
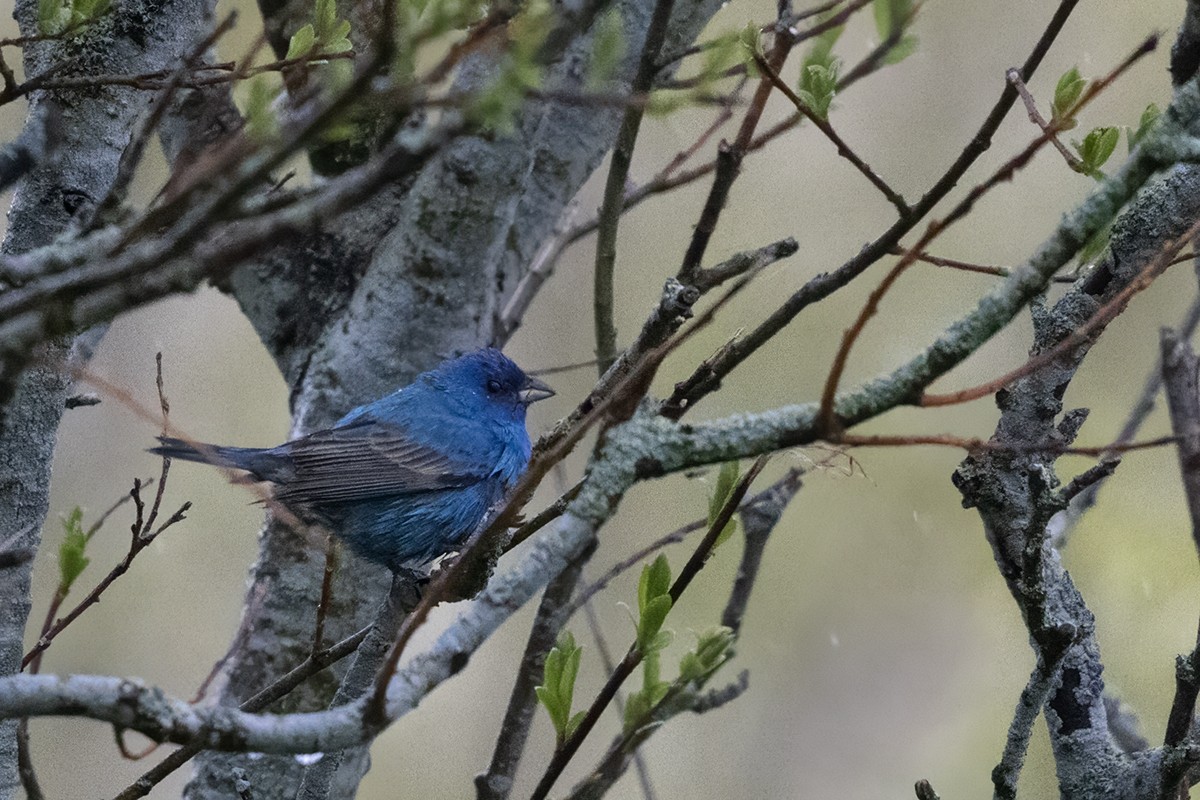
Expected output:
(936, 227)
(131, 156)
(973, 445)
(967, 266)
(844, 150)
(1035, 116)
(614, 189)
(709, 376)
(1098, 321)
(540, 269)
(142, 533)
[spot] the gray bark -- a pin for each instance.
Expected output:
(93, 129)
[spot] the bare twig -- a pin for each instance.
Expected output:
(1141, 409)
(280, 688)
(143, 532)
(132, 155)
(937, 226)
(1098, 321)
(844, 150)
(614, 189)
(707, 378)
(539, 272)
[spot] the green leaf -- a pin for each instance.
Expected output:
(1096, 148)
(495, 106)
(713, 644)
(637, 708)
(821, 51)
(751, 41)
(651, 668)
(891, 15)
(325, 18)
(261, 122)
(661, 641)
(884, 19)
(690, 668)
(713, 648)
(656, 581)
(84, 11)
(902, 49)
(71, 558)
(727, 478)
(558, 683)
(653, 616)
(550, 701)
(552, 670)
(301, 43)
(608, 49)
(1070, 87)
(1094, 246)
(721, 54)
(1149, 119)
(664, 102)
(570, 670)
(656, 692)
(573, 723)
(53, 16)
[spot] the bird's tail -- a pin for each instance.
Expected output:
(260, 463)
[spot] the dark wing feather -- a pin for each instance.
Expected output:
(367, 460)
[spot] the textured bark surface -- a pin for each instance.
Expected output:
(1016, 494)
(94, 126)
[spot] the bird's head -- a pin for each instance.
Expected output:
(492, 381)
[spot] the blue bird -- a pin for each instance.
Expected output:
(406, 478)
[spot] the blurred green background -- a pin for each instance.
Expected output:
(882, 644)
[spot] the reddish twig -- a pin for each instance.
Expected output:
(1103, 316)
(844, 150)
(828, 421)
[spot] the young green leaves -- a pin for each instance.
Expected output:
(494, 107)
(1066, 94)
(262, 124)
(1095, 149)
(654, 603)
(71, 559)
(892, 19)
(558, 686)
(714, 647)
(327, 33)
(57, 16)
(819, 73)
(1100, 143)
(727, 480)
(608, 49)
(1148, 120)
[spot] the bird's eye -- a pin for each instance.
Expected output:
(494, 386)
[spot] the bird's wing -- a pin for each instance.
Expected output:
(367, 459)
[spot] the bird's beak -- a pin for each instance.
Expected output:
(535, 390)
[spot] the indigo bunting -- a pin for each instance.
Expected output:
(406, 478)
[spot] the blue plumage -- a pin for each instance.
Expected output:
(406, 478)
